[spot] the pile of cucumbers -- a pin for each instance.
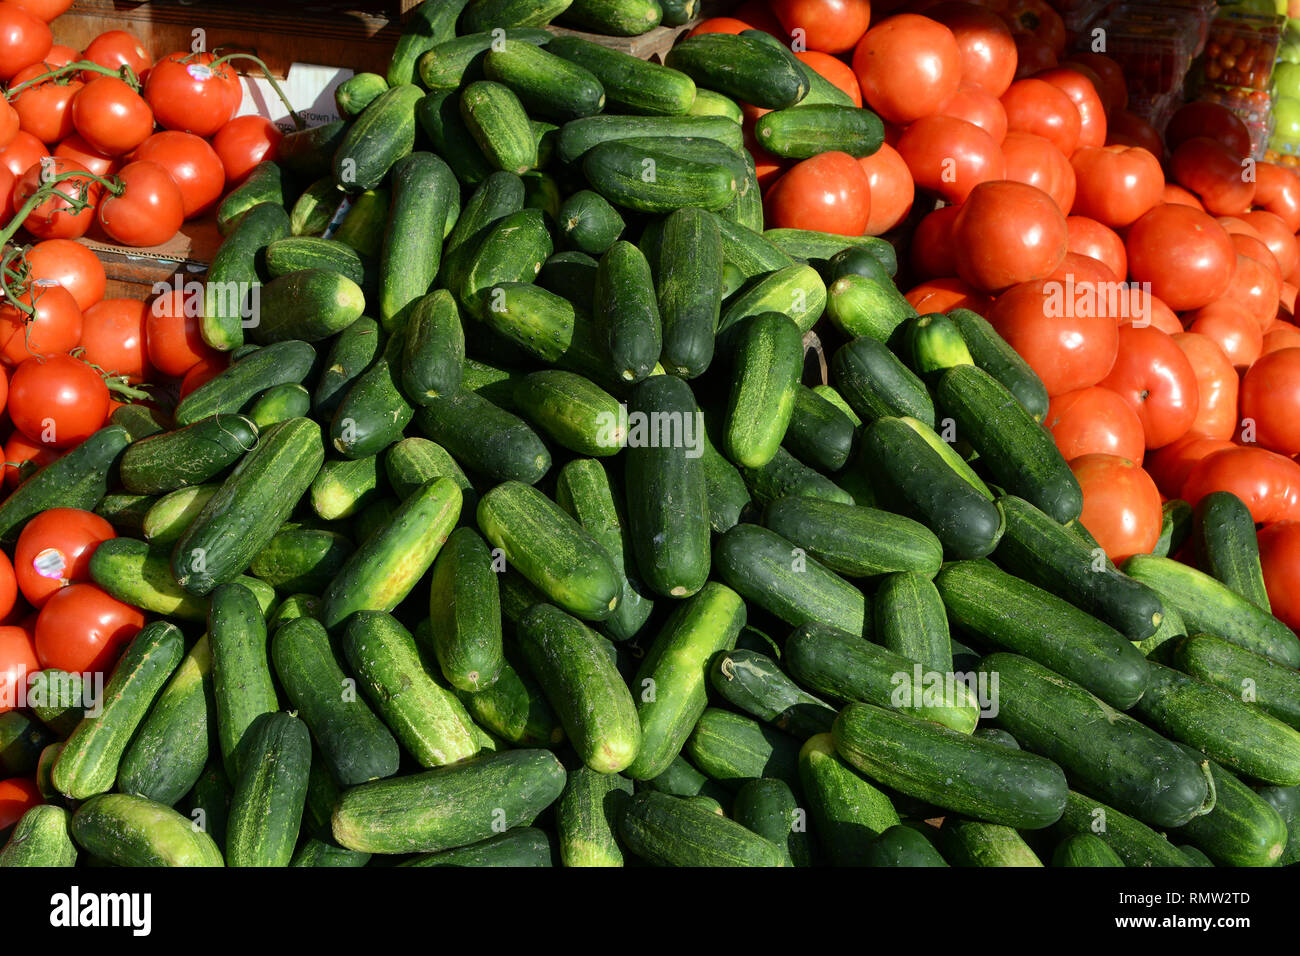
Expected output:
(523, 527)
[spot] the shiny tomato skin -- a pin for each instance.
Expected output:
(72, 265)
(978, 106)
(1036, 162)
(985, 44)
(203, 371)
(1083, 94)
(113, 335)
(892, 190)
(58, 400)
(150, 210)
(1216, 386)
(1213, 120)
(24, 40)
(1088, 237)
(1230, 326)
(1277, 189)
(1129, 129)
(1215, 174)
(839, 73)
(111, 117)
(933, 252)
(1174, 193)
(23, 151)
(1186, 256)
(908, 66)
(829, 193)
(1095, 420)
(243, 143)
(78, 150)
(1171, 465)
(53, 217)
(22, 457)
(81, 628)
(941, 295)
(1279, 238)
(950, 156)
(1267, 482)
(1121, 505)
(1270, 395)
(173, 333)
(1038, 18)
(17, 796)
(829, 26)
(1257, 288)
(54, 551)
(187, 93)
(117, 48)
(1007, 233)
(45, 108)
(1035, 106)
(1116, 184)
(1153, 375)
(1252, 247)
(1112, 88)
(192, 164)
(54, 328)
(1279, 558)
(17, 660)
(1276, 339)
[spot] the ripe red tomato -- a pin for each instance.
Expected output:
(1267, 482)
(720, 25)
(53, 218)
(8, 123)
(933, 253)
(836, 71)
(113, 335)
(1112, 87)
(758, 14)
(71, 265)
(17, 796)
(1202, 118)
(22, 457)
(1035, 106)
(1147, 309)
(1088, 237)
(1216, 386)
(1007, 233)
(1171, 465)
(1037, 18)
(55, 327)
(1036, 162)
(908, 66)
(8, 587)
(1121, 505)
(1256, 287)
(950, 156)
(172, 333)
(58, 400)
(1285, 336)
(1032, 55)
(828, 193)
(54, 551)
(187, 93)
(17, 660)
(1173, 193)
(243, 143)
(978, 106)
(1075, 84)
(78, 150)
(1215, 174)
(942, 295)
(24, 40)
(149, 211)
(23, 152)
(192, 163)
(891, 187)
(1279, 557)
(203, 371)
(1232, 328)
(767, 168)
(1278, 236)
(1270, 395)
(1095, 421)
(831, 26)
(45, 108)
(988, 52)
(111, 117)
(117, 48)
(44, 10)
(1186, 256)
(1116, 184)
(1128, 129)
(1277, 189)
(1249, 244)
(1153, 375)
(81, 628)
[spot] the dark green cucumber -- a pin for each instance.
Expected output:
(785, 476)
(876, 384)
(1102, 750)
(577, 137)
(490, 14)
(549, 86)
(1270, 686)
(572, 410)
(727, 496)
(167, 754)
(866, 307)
(654, 180)
(522, 846)
(769, 808)
(820, 89)
(451, 806)
(78, 479)
(433, 350)
(378, 138)
(389, 563)
(362, 228)
(847, 812)
(754, 683)
(512, 249)
(430, 23)
(1209, 606)
(732, 749)
(208, 802)
(589, 223)
(741, 67)
(231, 390)
(587, 816)
(373, 411)
(413, 461)
(314, 210)
(465, 612)
(141, 420)
(140, 574)
(672, 831)
(992, 353)
(307, 152)
(242, 517)
(959, 772)
(22, 739)
(242, 688)
(497, 122)
(457, 61)
(689, 287)
(125, 512)
(777, 576)
(671, 683)
(485, 438)
(40, 838)
(767, 364)
(626, 313)
(426, 716)
(846, 667)
(580, 681)
(344, 486)
(820, 434)
(855, 541)
(270, 791)
(1286, 801)
(322, 853)
(1243, 829)
(425, 194)
(514, 709)
(1085, 849)
(1222, 726)
(810, 245)
(264, 184)
(296, 253)
(911, 476)
(1039, 550)
(88, 762)
(618, 18)
(439, 117)
(1175, 528)
(631, 84)
(358, 91)
(800, 132)
(931, 344)
(1014, 615)
(127, 830)
(1134, 842)
(902, 845)
(1226, 546)
(1019, 453)
(353, 743)
(350, 354)
(234, 279)
(58, 699)
(911, 621)
(972, 843)
(187, 456)
(279, 404)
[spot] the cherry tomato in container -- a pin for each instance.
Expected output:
(1007, 233)
(1279, 558)
(933, 253)
(1116, 184)
(1035, 106)
(1121, 505)
(118, 48)
(1095, 421)
(186, 92)
(1036, 162)
(1213, 120)
(1186, 256)
(149, 210)
(243, 143)
(1215, 173)
(54, 551)
(52, 328)
(984, 43)
(1081, 90)
(113, 336)
(1153, 375)
(950, 156)
(24, 40)
(1216, 386)
(1267, 482)
(111, 117)
(81, 628)
(1088, 237)
(70, 264)
(830, 26)
(828, 192)
(54, 217)
(892, 190)
(908, 66)
(57, 400)
(193, 165)
(1270, 396)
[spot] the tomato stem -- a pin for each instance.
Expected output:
(14, 252)
(123, 73)
(75, 203)
(266, 71)
(116, 381)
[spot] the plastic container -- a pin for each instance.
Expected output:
(1241, 50)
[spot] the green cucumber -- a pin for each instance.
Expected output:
(358, 91)
(208, 802)
(820, 434)
(353, 743)
(1085, 849)
(995, 356)
(910, 620)
(902, 845)
(671, 683)
(279, 404)
(809, 244)
(1286, 801)
(800, 132)
(1226, 546)
(40, 838)
(378, 138)
(351, 353)
(497, 122)
(140, 574)
(972, 843)
(451, 806)
(1103, 750)
(512, 249)
(57, 698)
(533, 318)
(754, 683)
(514, 709)
(689, 289)
(656, 181)
(125, 512)
(314, 852)
(313, 211)
(389, 563)
(187, 456)
(617, 18)
(362, 227)
(785, 476)
(726, 494)
(287, 256)
(672, 831)
(413, 461)
(439, 117)
(1134, 842)
(431, 22)
(425, 194)
(1206, 605)
(233, 277)
(490, 14)
(549, 86)
(965, 774)
(589, 223)
(449, 65)
(263, 185)
(344, 486)
(626, 313)
(777, 576)
(577, 137)
(22, 739)
(131, 831)
(853, 540)
(796, 291)
(866, 307)
(89, 760)
(876, 384)
(486, 438)
(522, 846)
(709, 103)
(587, 816)
(242, 689)
(732, 749)
(631, 85)
(1268, 685)
(301, 559)
(1014, 615)
(373, 411)
(580, 682)
(306, 152)
(766, 366)
(465, 612)
(167, 754)
(747, 69)
(769, 808)
(270, 791)
(571, 409)
(1243, 829)
(847, 812)
(245, 379)
(931, 344)
(425, 716)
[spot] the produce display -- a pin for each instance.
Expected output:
(861, 439)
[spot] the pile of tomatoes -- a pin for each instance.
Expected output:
(1149, 280)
